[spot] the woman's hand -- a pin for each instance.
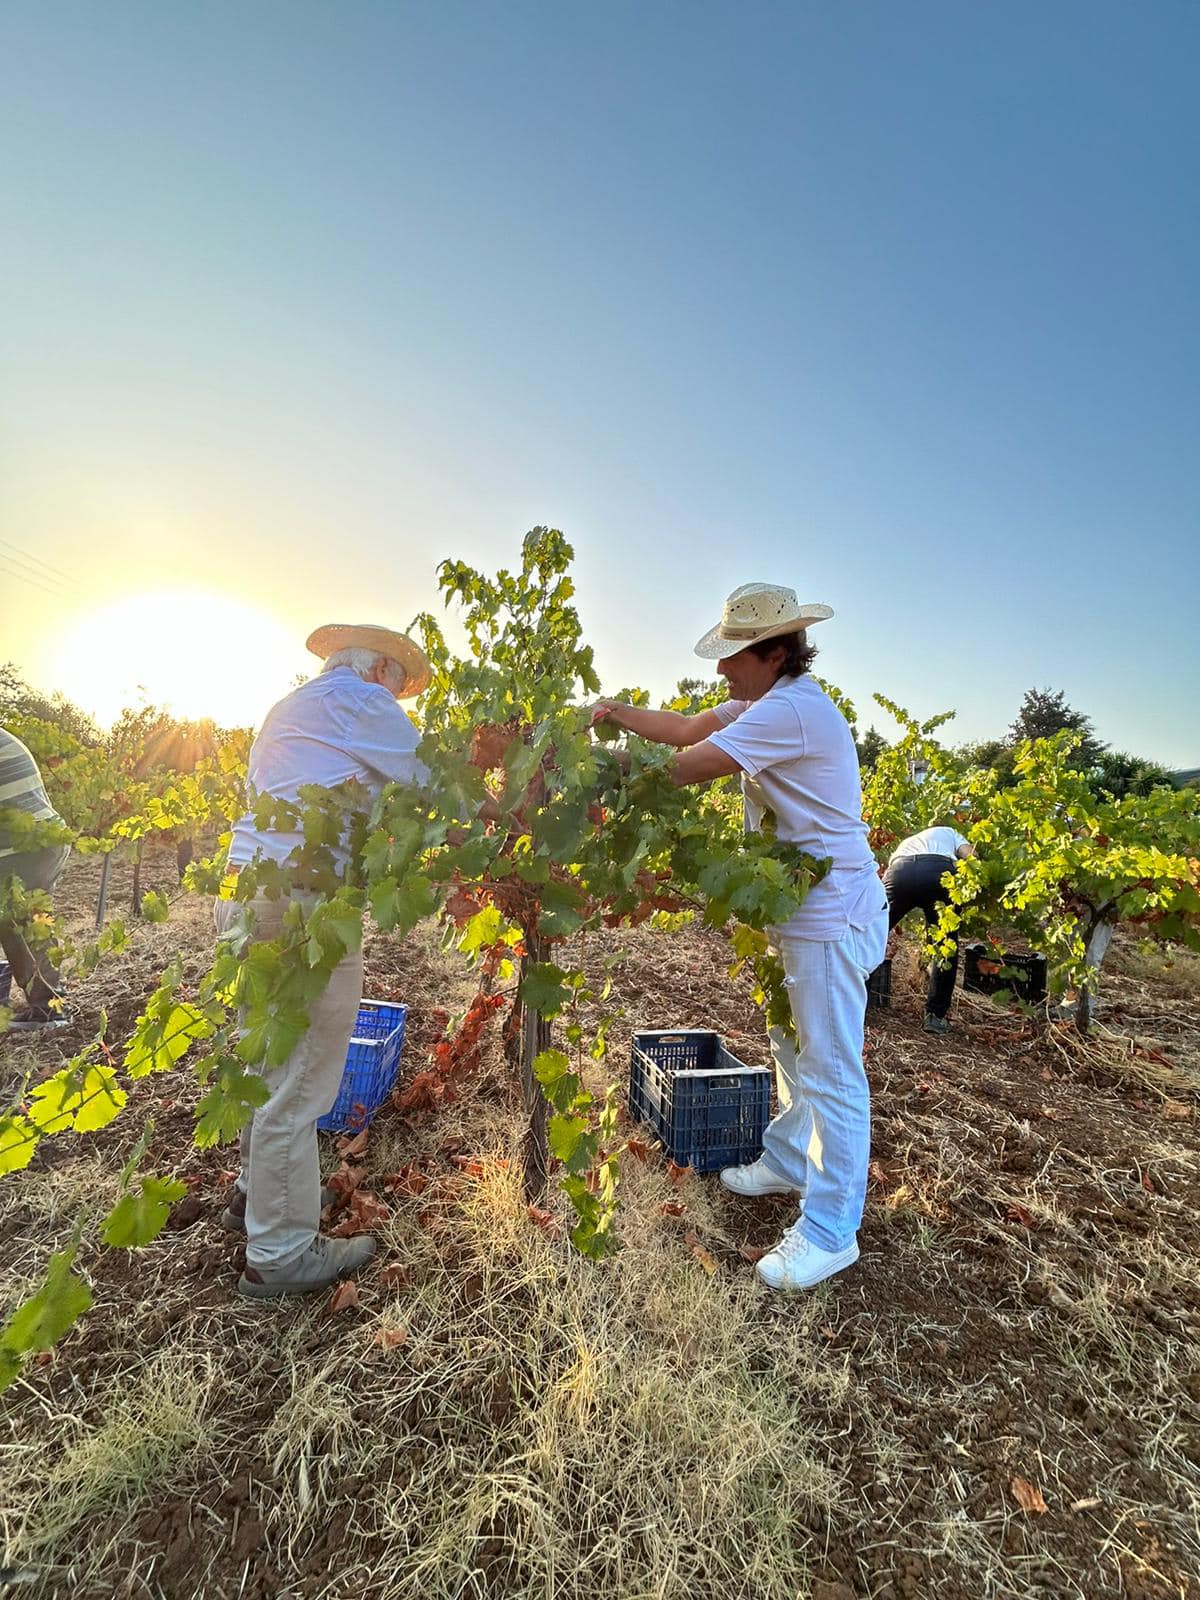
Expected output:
(606, 711)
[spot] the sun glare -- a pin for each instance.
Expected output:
(198, 653)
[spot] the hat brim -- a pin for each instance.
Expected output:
(335, 636)
(716, 645)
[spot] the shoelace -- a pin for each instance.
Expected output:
(792, 1244)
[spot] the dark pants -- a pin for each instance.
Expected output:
(915, 883)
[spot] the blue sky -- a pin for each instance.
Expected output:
(894, 304)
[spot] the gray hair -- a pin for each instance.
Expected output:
(358, 659)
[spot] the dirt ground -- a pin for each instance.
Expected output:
(1002, 1399)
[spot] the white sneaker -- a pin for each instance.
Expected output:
(756, 1178)
(324, 1263)
(798, 1263)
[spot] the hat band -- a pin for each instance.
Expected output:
(727, 632)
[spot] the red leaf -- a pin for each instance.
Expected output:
(676, 1173)
(410, 1180)
(356, 1146)
(467, 1164)
(752, 1252)
(390, 1338)
(698, 1253)
(396, 1276)
(1018, 1213)
(1028, 1496)
(1148, 1183)
(545, 1220)
(673, 1208)
(343, 1298)
(345, 1181)
(638, 1148)
(877, 1175)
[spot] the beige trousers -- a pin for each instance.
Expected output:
(281, 1170)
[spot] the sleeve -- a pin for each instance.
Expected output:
(729, 710)
(959, 841)
(386, 742)
(766, 732)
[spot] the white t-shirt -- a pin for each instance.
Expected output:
(929, 842)
(797, 756)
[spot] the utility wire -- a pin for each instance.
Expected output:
(41, 568)
(36, 580)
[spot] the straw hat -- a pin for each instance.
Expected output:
(758, 611)
(335, 636)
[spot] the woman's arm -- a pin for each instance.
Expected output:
(663, 727)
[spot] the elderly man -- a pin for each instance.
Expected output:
(21, 789)
(342, 725)
(794, 751)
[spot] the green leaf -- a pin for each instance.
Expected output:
(137, 1219)
(83, 1097)
(224, 1111)
(45, 1317)
(155, 907)
(559, 1084)
(544, 988)
(398, 907)
(572, 1142)
(18, 1140)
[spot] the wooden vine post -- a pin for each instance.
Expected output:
(535, 1038)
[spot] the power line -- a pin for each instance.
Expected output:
(59, 594)
(51, 573)
(24, 569)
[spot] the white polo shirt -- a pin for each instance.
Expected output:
(797, 756)
(333, 728)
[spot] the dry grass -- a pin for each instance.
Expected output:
(515, 1422)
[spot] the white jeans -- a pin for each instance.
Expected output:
(281, 1170)
(821, 1138)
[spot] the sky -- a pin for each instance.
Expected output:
(892, 304)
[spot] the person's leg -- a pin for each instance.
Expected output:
(827, 983)
(33, 970)
(283, 1189)
(933, 895)
(830, 1100)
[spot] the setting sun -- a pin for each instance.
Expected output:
(196, 652)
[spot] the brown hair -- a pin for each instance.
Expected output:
(798, 656)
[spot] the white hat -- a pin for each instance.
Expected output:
(758, 611)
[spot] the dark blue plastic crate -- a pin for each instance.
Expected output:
(372, 1062)
(5, 982)
(708, 1108)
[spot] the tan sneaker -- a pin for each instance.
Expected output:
(324, 1263)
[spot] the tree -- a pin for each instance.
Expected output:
(1044, 713)
(870, 747)
(1117, 773)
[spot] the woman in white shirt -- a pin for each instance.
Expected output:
(914, 880)
(795, 753)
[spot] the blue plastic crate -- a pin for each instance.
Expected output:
(708, 1108)
(372, 1063)
(5, 982)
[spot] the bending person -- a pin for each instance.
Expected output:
(343, 724)
(912, 881)
(794, 751)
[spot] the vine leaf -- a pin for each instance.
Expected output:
(136, 1219)
(45, 1317)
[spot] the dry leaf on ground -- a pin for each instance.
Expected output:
(1027, 1495)
(390, 1338)
(349, 1148)
(699, 1253)
(343, 1298)
(396, 1276)
(546, 1220)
